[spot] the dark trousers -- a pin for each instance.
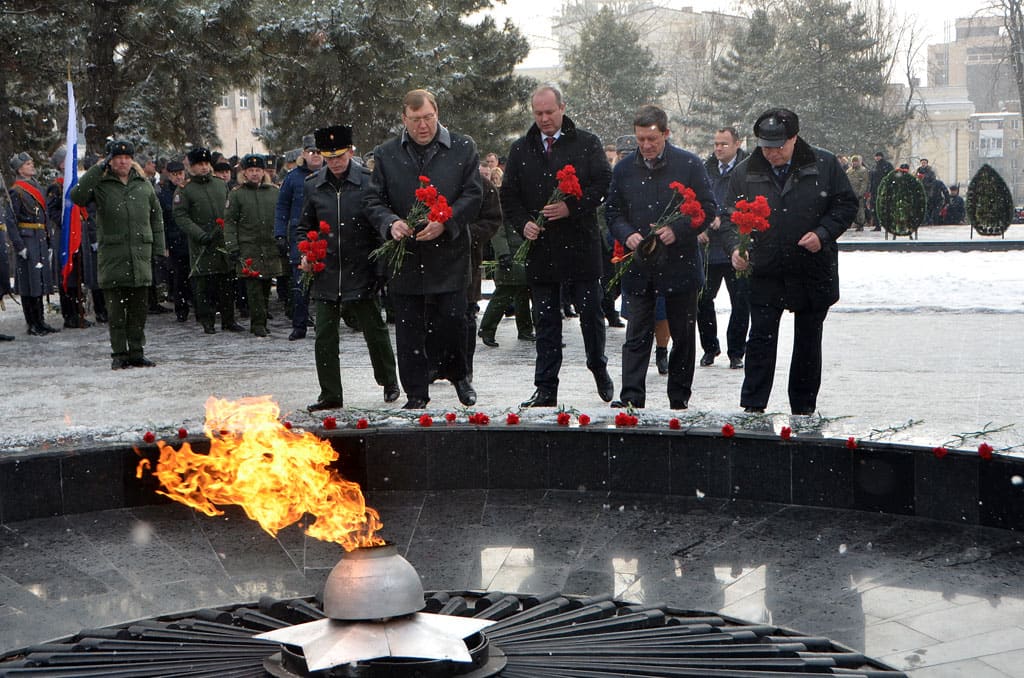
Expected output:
(126, 310)
(739, 318)
(762, 348)
(300, 302)
(181, 288)
(448, 310)
(586, 296)
(681, 310)
(215, 292)
(610, 295)
(70, 304)
(257, 291)
(518, 296)
(366, 312)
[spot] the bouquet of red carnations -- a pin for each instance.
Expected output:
(568, 186)
(430, 206)
(750, 216)
(313, 250)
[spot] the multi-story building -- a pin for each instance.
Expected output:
(239, 116)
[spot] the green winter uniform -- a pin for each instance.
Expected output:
(249, 232)
(129, 230)
(197, 207)
(510, 287)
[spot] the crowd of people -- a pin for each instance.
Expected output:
(646, 221)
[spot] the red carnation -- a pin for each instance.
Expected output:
(325, 227)
(786, 433)
(319, 266)
(584, 419)
(985, 451)
(424, 179)
(449, 417)
(674, 424)
(303, 246)
(512, 419)
(851, 443)
(362, 423)
(940, 452)
(287, 424)
(219, 222)
(330, 423)
(426, 420)
(728, 430)
(182, 432)
(633, 420)
(149, 436)
(313, 235)
(481, 419)
(563, 418)
(248, 261)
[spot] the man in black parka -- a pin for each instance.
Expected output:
(794, 264)
(436, 270)
(568, 248)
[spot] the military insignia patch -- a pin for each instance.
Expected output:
(177, 198)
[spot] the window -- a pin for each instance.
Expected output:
(243, 99)
(225, 101)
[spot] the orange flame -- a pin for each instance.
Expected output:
(274, 474)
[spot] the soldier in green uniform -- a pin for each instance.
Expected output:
(249, 235)
(129, 230)
(199, 212)
(347, 285)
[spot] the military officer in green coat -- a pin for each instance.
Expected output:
(249, 235)
(129, 231)
(199, 212)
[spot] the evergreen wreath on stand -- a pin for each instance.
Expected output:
(989, 203)
(901, 204)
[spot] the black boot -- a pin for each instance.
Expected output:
(41, 319)
(661, 359)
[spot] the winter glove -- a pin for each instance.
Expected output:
(23, 253)
(206, 238)
(282, 247)
(505, 262)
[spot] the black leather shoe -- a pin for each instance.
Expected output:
(415, 403)
(141, 362)
(232, 327)
(735, 363)
(527, 337)
(209, 329)
(541, 399)
(324, 405)
(36, 331)
(488, 340)
(391, 393)
(678, 404)
(119, 364)
(260, 332)
(298, 333)
(48, 329)
(754, 410)
(605, 386)
(466, 392)
(709, 358)
(616, 322)
(6, 337)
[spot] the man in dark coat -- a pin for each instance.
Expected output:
(171, 179)
(437, 259)
(130, 229)
(286, 218)
(882, 167)
(720, 165)
(666, 260)
(33, 276)
(794, 264)
(956, 211)
(71, 306)
(347, 285)
(568, 249)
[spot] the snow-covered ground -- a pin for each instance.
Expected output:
(923, 347)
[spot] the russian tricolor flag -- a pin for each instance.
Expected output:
(71, 220)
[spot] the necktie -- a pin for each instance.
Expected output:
(550, 141)
(723, 169)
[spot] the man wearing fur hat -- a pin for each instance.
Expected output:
(129, 229)
(249, 236)
(33, 275)
(199, 212)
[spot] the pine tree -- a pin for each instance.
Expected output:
(610, 75)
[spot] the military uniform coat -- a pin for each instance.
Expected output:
(197, 206)
(570, 248)
(129, 225)
(249, 228)
(33, 277)
(816, 197)
(453, 166)
(349, 274)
